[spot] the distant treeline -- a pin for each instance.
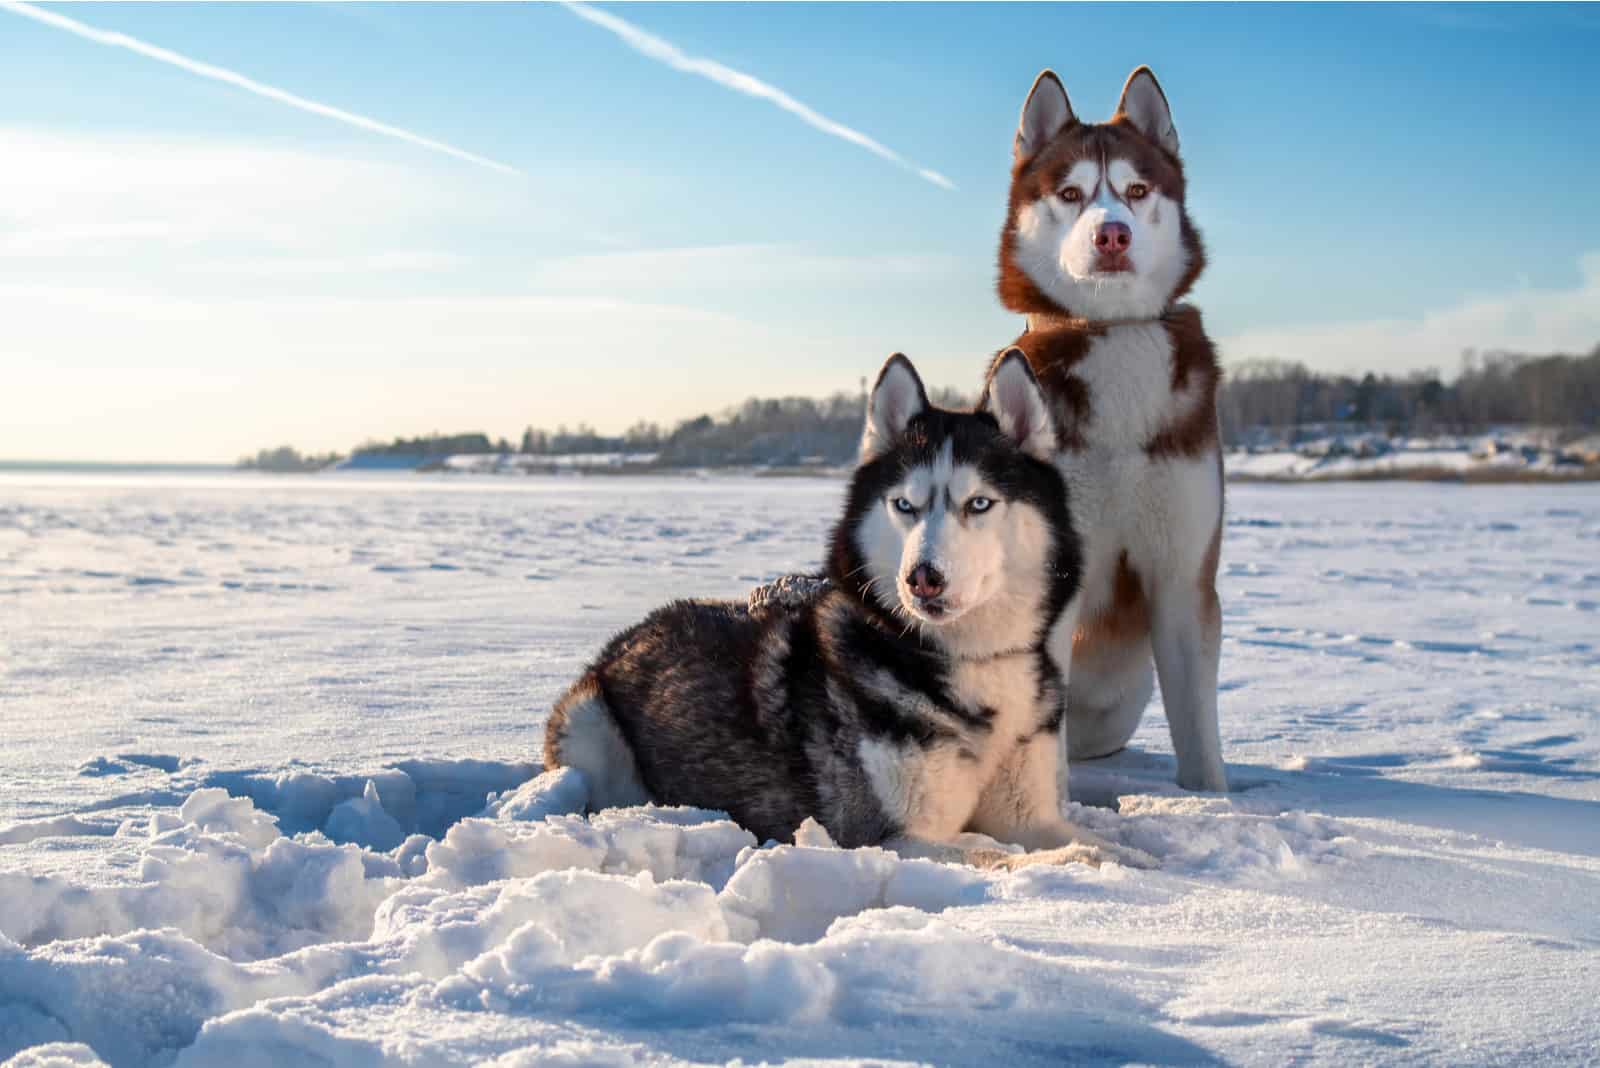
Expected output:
(288, 460)
(433, 445)
(1264, 398)
(1493, 389)
(767, 432)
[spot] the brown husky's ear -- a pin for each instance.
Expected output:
(1145, 105)
(897, 398)
(1046, 113)
(1013, 396)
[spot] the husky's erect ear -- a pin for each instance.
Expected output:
(1045, 114)
(1145, 105)
(897, 399)
(1013, 396)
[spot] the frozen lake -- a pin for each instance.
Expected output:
(1408, 870)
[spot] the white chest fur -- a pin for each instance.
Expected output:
(932, 791)
(1008, 686)
(1159, 510)
(1129, 374)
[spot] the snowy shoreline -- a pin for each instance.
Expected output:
(1313, 455)
(1239, 466)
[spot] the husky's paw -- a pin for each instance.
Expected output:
(1128, 856)
(1072, 837)
(1093, 854)
(1072, 854)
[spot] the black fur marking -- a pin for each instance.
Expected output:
(801, 690)
(1052, 724)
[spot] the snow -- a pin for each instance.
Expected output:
(270, 795)
(1309, 452)
(1322, 453)
(523, 464)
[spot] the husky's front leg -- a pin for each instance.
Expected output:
(1186, 637)
(928, 794)
(931, 794)
(1020, 805)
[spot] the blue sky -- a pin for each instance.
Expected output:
(189, 271)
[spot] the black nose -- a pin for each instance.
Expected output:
(926, 582)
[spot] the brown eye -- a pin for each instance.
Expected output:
(1072, 194)
(1137, 191)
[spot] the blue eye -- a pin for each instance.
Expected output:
(904, 506)
(979, 505)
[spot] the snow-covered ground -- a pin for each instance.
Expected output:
(518, 464)
(250, 726)
(1330, 454)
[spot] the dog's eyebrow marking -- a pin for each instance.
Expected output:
(1122, 174)
(1085, 174)
(965, 482)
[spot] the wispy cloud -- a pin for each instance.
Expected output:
(115, 39)
(1524, 320)
(187, 204)
(668, 53)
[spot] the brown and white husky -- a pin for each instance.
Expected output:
(1096, 250)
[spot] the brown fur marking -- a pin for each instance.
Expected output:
(1125, 619)
(1210, 605)
(1194, 360)
(1052, 354)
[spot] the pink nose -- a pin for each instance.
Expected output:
(926, 582)
(1112, 237)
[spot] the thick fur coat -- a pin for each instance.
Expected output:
(915, 699)
(1096, 250)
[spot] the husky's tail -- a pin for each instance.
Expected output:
(583, 734)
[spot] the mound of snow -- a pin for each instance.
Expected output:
(53, 827)
(222, 874)
(364, 820)
(419, 796)
(794, 893)
(640, 914)
(554, 793)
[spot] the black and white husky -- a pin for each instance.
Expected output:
(912, 701)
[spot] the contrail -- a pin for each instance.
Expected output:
(667, 52)
(249, 85)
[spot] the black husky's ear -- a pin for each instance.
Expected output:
(1046, 114)
(896, 400)
(1013, 396)
(1145, 105)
